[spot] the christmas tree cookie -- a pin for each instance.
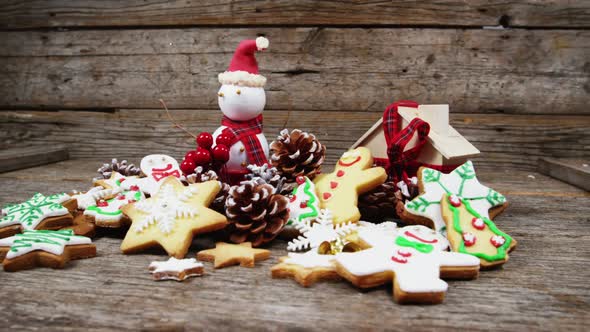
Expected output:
(43, 248)
(304, 202)
(39, 212)
(425, 209)
(172, 216)
(353, 175)
(471, 233)
(414, 257)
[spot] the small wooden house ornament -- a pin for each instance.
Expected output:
(445, 147)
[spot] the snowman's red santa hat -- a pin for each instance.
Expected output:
(243, 68)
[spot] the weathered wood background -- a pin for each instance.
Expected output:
(88, 74)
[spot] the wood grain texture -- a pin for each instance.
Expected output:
(572, 171)
(17, 14)
(536, 290)
(475, 71)
(510, 140)
(21, 157)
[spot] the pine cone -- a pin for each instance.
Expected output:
(255, 213)
(122, 167)
(269, 175)
(379, 204)
(386, 201)
(297, 154)
(201, 176)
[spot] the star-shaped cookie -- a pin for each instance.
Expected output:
(172, 217)
(462, 182)
(226, 254)
(307, 268)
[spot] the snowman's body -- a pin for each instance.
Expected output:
(240, 103)
(237, 152)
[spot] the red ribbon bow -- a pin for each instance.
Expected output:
(397, 139)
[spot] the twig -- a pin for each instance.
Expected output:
(173, 121)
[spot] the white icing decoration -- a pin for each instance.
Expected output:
(112, 212)
(31, 213)
(30, 240)
(427, 205)
(421, 271)
(498, 240)
(468, 237)
(314, 233)
(310, 259)
(89, 198)
(159, 166)
(165, 208)
(175, 265)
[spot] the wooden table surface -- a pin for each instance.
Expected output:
(544, 286)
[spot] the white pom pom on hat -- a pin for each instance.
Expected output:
(243, 68)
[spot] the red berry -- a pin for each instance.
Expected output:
(202, 156)
(205, 140)
(223, 139)
(187, 166)
(191, 155)
(300, 180)
(221, 153)
(102, 203)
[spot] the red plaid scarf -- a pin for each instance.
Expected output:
(245, 132)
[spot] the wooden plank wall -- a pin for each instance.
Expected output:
(89, 73)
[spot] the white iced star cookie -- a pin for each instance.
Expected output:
(176, 269)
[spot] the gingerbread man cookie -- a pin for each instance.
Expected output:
(353, 175)
(425, 209)
(172, 217)
(471, 233)
(414, 258)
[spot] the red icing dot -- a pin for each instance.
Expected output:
(327, 196)
(131, 201)
(134, 188)
(293, 198)
(497, 241)
(303, 205)
(333, 184)
(340, 173)
(300, 180)
(120, 197)
(455, 201)
(102, 204)
(468, 239)
(478, 223)
(122, 179)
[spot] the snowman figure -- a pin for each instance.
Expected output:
(242, 99)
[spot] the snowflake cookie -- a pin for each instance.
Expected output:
(462, 182)
(39, 212)
(319, 230)
(172, 216)
(43, 248)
